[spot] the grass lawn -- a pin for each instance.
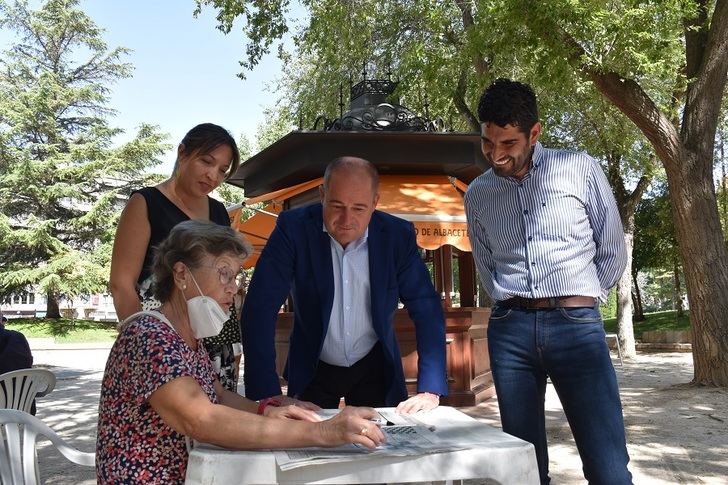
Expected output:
(65, 330)
(654, 321)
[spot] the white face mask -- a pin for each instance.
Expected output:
(205, 314)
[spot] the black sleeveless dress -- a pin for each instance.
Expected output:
(163, 215)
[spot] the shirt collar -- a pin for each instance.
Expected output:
(537, 156)
(353, 244)
(536, 159)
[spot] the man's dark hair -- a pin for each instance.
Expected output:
(507, 102)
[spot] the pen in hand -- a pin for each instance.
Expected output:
(380, 421)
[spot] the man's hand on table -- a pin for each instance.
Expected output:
(291, 412)
(292, 401)
(423, 401)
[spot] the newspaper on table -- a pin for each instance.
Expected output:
(405, 436)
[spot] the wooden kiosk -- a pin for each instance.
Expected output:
(423, 175)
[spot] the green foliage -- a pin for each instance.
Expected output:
(721, 161)
(579, 118)
(643, 42)
(264, 23)
(230, 194)
(426, 45)
(609, 308)
(62, 183)
(443, 54)
(654, 321)
(655, 244)
(64, 330)
(245, 148)
(278, 123)
(658, 289)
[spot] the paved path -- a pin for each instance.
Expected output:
(667, 423)
(72, 408)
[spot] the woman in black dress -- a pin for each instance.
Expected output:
(206, 157)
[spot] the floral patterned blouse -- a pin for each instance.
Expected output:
(133, 444)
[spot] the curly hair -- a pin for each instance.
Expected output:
(189, 242)
(507, 102)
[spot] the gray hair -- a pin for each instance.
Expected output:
(352, 163)
(189, 242)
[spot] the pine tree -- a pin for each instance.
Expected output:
(62, 182)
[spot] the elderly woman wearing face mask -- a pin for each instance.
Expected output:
(159, 388)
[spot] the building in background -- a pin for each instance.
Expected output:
(29, 304)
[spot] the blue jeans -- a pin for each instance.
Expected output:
(568, 345)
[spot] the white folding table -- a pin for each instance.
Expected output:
(490, 454)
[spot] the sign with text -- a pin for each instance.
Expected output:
(433, 234)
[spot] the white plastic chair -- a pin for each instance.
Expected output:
(21, 387)
(18, 460)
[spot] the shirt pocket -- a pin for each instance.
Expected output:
(560, 218)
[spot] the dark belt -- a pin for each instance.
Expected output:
(553, 302)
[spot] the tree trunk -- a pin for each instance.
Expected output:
(639, 312)
(687, 155)
(52, 309)
(677, 290)
(625, 330)
(705, 259)
(458, 98)
(724, 192)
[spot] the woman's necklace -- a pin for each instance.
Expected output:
(170, 190)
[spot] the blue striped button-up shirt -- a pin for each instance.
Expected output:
(556, 232)
(350, 335)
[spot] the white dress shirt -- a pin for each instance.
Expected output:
(350, 335)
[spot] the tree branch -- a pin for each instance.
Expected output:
(479, 62)
(696, 37)
(626, 94)
(636, 195)
(702, 106)
(458, 98)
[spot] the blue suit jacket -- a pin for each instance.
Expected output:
(297, 259)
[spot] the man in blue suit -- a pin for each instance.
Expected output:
(346, 266)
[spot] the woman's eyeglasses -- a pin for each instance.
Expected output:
(226, 274)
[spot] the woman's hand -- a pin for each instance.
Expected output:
(352, 425)
(291, 412)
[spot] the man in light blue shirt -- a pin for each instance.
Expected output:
(548, 244)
